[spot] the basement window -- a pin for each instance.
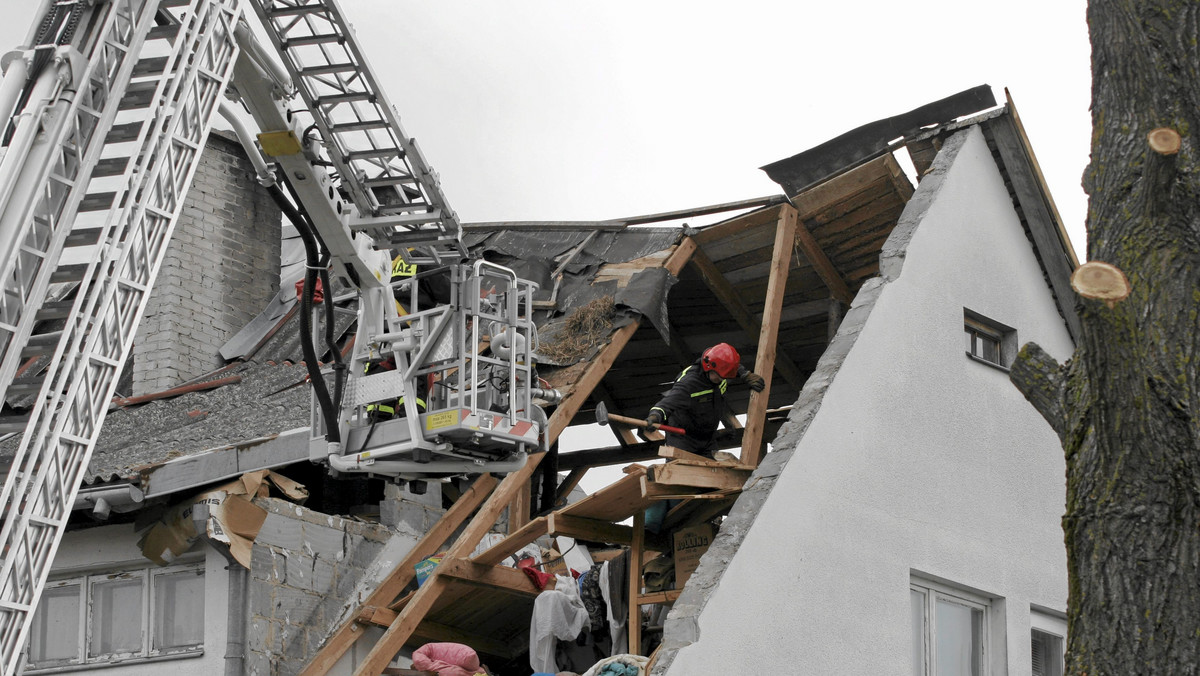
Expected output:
(989, 341)
(142, 613)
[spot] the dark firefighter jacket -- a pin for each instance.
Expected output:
(696, 405)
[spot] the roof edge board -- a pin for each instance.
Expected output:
(1040, 216)
(838, 155)
(622, 223)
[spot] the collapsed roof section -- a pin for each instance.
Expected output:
(694, 287)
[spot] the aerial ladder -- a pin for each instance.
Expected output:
(106, 110)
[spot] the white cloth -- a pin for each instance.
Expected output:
(616, 625)
(557, 614)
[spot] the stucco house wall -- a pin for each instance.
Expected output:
(918, 461)
(110, 549)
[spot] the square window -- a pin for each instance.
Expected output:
(178, 611)
(115, 624)
(988, 341)
(55, 632)
(949, 631)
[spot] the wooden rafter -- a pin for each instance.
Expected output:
(821, 264)
(768, 339)
(481, 569)
(402, 574)
(729, 298)
(423, 600)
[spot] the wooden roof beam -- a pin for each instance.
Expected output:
(822, 265)
(768, 339)
(728, 296)
(503, 578)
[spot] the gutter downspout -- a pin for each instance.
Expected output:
(235, 622)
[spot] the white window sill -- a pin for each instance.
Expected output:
(985, 362)
(72, 668)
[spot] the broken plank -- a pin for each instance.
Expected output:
(692, 459)
(498, 577)
(668, 596)
(695, 476)
(615, 502)
(591, 530)
(513, 543)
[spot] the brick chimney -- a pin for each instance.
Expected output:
(221, 269)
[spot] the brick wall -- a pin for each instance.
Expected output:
(221, 268)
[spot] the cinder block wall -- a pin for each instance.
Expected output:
(221, 268)
(306, 567)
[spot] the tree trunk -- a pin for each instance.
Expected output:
(1127, 405)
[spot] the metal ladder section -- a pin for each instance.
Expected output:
(171, 60)
(398, 196)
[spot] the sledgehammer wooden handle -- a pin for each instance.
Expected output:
(634, 422)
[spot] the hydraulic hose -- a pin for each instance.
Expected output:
(339, 366)
(312, 266)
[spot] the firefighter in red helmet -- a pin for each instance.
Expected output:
(696, 400)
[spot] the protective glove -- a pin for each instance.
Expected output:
(653, 420)
(754, 381)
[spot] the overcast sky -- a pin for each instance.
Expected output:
(562, 110)
(553, 110)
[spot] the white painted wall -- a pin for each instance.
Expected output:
(918, 459)
(114, 548)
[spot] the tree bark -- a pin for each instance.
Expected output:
(1126, 405)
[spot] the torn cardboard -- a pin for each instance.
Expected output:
(233, 518)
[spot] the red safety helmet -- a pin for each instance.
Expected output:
(723, 359)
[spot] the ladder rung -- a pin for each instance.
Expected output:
(322, 39)
(296, 10)
(154, 65)
(73, 438)
(373, 154)
(334, 99)
(97, 201)
(111, 166)
(386, 181)
(328, 69)
(124, 133)
(68, 273)
(359, 126)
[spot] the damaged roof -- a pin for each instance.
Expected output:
(843, 218)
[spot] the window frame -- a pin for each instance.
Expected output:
(86, 584)
(1004, 338)
(1052, 624)
(934, 592)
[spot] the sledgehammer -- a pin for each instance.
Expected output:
(604, 417)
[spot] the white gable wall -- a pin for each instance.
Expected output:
(919, 459)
